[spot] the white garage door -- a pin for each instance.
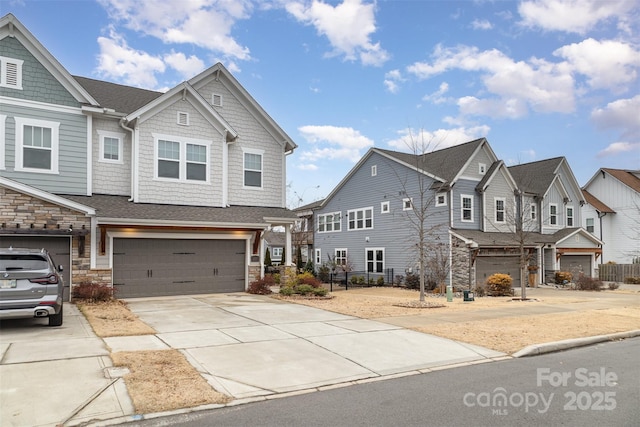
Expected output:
(59, 248)
(154, 267)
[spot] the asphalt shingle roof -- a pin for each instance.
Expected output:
(123, 99)
(596, 203)
(629, 178)
(535, 177)
(121, 208)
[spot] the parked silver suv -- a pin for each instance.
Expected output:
(30, 285)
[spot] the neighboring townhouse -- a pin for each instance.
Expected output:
(481, 212)
(612, 213)
(153, 193)
(303, 231)
(275, 242)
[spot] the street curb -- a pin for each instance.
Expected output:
(537, 349)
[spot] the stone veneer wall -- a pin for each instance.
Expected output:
(460, 265)
(29, 213)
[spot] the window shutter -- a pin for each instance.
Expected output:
(11, 74)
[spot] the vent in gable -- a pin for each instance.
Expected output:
(183, 118)
(216, 100)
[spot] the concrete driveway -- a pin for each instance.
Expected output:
(246, 346)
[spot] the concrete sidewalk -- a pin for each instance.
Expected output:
(246, 346)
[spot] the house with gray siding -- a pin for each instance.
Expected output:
(152, 193)
(487, 217)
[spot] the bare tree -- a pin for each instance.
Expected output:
(418, 198)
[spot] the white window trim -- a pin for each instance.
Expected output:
(374, 170)
(533, 212)
(333, 228)
(462, 197)
(181, 114)
(384, 258)
(3, 119)
(55, 132)
(444, 198)
(276, 252)
(213, 98)
(572, 217)
(482, 168)
(335, 255)
(404, 204)
(557, 224)
(318, 257)
(102, 134)
(385, 207)
(364, 218)
(504, 209)
(182, 174)
(261, 154)
(593, 225)
(4, 61)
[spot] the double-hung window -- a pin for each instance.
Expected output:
(533, 211)
(329, 222)
(569, 216)
(500, 209)
(11, 72)
(36, 145)
(375, 260)
(183, 159)
(466, 214)
(553, 214)
(591, 225)
(341, 257)
(253, 168)
(360, 219)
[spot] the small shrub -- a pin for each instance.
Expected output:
(499, 284)
(412, 281)
(303, 289)
(307, 278)
(357, 280)
(93, 292)
(563, 277)
(286, 291)
(276, 278)
(613, 286)
(479, 290)
(324, 273)
(585, 283)
(398, 280)
(380, 281)
(261, 286)
(320, 292)
(632, 280)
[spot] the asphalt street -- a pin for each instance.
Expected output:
(597, 385)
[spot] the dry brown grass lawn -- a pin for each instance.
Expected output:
(163, 381)
(507, 334)
(157, 380)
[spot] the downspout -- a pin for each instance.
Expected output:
(133, 158)
(600, 216)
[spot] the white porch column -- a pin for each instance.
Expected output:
(287, 234)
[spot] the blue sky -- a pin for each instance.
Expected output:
(537, 78)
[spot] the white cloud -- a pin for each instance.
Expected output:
(333, 142)
(204, 23)
(118, 61)
(187, 67)
(535, 84)
(437, 96)
(622, 114)
(620, 148)
(607, 64)
(392, 79)
(574, 16)
(426, 141)
(348, 26)
(481, 24)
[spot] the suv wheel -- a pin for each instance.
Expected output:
(56, 319)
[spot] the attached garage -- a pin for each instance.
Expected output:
(144, 267)
(59, 248)
(576, 264)
(488, 265)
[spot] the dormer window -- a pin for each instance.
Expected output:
(216, 100)
(11, 73)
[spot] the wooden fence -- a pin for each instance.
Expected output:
(617, 272)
